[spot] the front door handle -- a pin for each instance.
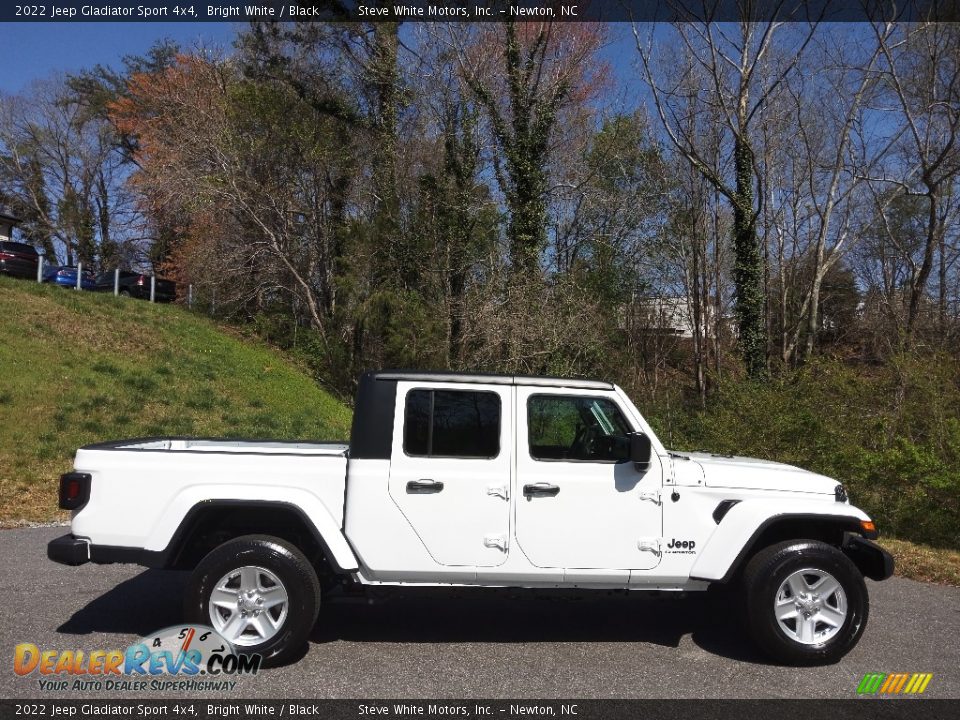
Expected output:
(424, 486)
(540, 489)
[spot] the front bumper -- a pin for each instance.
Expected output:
(69, 550)
(872, 560)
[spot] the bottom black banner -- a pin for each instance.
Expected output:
(867, 709)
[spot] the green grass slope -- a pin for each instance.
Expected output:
(79, 367)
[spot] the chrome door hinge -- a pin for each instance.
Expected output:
(653, 497)
(496, 541)
(649, 545)
(500, 491)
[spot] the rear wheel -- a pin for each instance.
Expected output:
(260, 593)
(807, 603)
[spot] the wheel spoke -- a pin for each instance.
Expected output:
(797, 585)
(786, 611)
(274, 597)
(831, 617)
(805, 628)
(826, 587)
(234, 627)
(264, 629)
(221, 597)
(248, 579)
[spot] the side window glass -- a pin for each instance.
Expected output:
(416, 423)
(576, 429)
(451, 423)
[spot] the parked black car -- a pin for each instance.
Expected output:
(137, 285)
(18, 259)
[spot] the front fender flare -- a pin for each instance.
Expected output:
(734, 539)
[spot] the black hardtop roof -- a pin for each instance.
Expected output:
(448, 376)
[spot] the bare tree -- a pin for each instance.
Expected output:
(922, 75)
(742, 71)
(64, 176)
(824, 154)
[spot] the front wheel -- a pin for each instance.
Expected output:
(807, 603)
(258, 592)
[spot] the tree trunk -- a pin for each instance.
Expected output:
(812, 320)
(717, 288)
(942, 294)
(919, 285)
(748, 265)
(385, 80)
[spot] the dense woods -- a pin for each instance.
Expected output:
(761, 246)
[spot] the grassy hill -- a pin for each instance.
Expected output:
(78, 367)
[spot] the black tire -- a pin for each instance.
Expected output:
(124, 293)
(762, 580)
(283, 560)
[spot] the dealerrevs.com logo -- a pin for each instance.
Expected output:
(894, 683)
(180, 658)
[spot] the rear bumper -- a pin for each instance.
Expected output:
(142, 292)
(68, 283)
(69, 550)
(22, 269)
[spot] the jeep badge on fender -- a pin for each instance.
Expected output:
(484, 480)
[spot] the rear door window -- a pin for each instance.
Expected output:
(451, 423)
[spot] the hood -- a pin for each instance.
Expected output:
(726, 471)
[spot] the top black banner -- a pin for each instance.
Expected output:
(484, 10)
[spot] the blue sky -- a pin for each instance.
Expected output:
(30, 51)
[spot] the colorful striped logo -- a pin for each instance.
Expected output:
(894, 683)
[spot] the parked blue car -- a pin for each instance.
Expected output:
(66, 275)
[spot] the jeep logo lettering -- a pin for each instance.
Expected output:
(681, 544)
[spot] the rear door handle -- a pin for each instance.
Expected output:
(424, 486)
(540, 489)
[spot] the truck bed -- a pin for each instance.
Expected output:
(141, 489)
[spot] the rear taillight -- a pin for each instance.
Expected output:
(6, 256)
(63, 273)
(74, 490)
(140, 280)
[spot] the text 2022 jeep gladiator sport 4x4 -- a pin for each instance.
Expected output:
(475, 480)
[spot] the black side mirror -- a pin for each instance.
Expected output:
(640, 450)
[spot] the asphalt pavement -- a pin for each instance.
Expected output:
(501, 646)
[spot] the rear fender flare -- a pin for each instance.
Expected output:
(163, 538)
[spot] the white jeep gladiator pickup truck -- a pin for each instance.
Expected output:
(475, 480)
